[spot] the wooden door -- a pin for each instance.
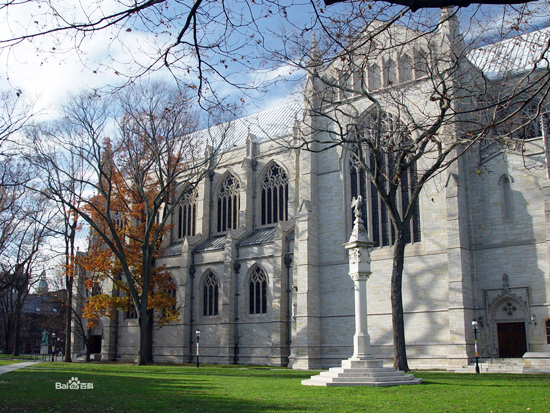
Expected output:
(512, 341)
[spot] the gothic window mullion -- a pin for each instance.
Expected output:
(186, 218)
(194, 220)
(258, 292)
(274, 207)
(285, 204)
(180, 221)
(228, 204)
(376, 213)
(210, 295)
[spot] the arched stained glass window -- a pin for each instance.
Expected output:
(187, 215)
(258, 291)
(274, 198)
(374, 210)
(228, 204)
(171, 289)
(374, 77)
(405, 68)
(390, 73)
(210, 295)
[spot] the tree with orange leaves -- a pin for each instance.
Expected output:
(132, 183)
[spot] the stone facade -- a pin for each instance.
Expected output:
(483, 254)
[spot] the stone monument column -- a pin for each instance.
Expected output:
(362, 368)
(359, 248)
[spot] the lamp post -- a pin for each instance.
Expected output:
(53, 346)
(198, 334)
(474, 326)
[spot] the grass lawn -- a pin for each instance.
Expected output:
(128, 388)
(5, 362)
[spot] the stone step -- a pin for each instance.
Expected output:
(372, 379)
(316, 381)
(362, 374)
(508, 366)
(363, 370)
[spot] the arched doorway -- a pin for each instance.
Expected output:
(508, 317)
(508, 320)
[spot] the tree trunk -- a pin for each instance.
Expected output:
(150, 322)
(143, 358)
(68, 319)
(8, 334)
(69, 280)
(17, 333)
(399, 349)
(87, 342)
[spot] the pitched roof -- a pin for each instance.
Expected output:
(268, 124)
(260, 236)
(512, 56)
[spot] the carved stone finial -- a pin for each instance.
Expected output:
(505, 281)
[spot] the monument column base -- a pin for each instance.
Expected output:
(362, 372)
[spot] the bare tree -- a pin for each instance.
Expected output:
(131, 182)
(21, 254)
(67, 227)
(14, 114)
(414, 5)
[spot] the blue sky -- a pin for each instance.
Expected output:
(46, 75)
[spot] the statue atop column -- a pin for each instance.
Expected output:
(357, 204)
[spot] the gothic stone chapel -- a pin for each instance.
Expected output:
(256, 250)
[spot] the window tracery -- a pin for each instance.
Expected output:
(228, 204)
(210, 295)
(258, 291)
(390, 73)
(374, 211)
(274, 197)
(374, 77)
(171, 289)
(405, 69)
(187, 215)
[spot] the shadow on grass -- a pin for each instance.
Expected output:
(146, 389)
(128, 388)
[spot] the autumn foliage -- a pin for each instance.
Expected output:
(123, 217)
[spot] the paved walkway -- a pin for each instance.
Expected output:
(15, 366)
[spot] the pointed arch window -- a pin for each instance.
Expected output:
(506, 199)
(405, 69)
(228, 204)
(390, 73)
(171, 289)
(274, 197)
(187, 215)
(374, 210)
(210, 292)
(374, 77)
(258, 291)
(420, 64)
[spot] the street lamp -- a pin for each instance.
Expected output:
(198, 334)
(53, 346)
(474, 326)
